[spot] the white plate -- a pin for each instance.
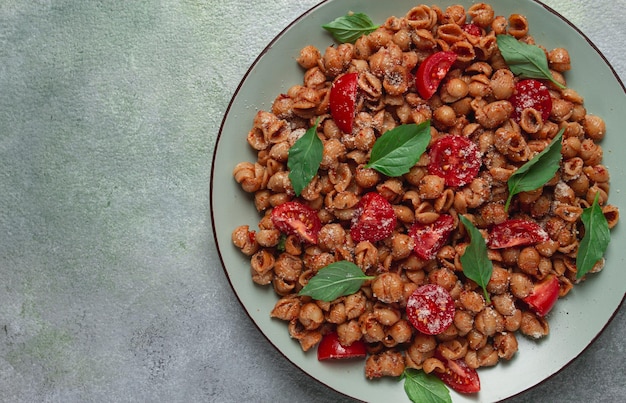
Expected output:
(576, 319)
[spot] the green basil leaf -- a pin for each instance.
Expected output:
(596, 239)
(538, 171)
(528, 61)
(335, 280)
(476, 263)
(421, 387)
(281, 243)
(350, 27)
(304, 159)
(398, 149)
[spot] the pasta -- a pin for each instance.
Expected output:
(473, 102)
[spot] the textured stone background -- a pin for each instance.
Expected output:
(110, 285)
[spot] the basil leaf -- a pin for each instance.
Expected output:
(335, 280)
(421, 387)
(538, 171)
(281, 243)
(398, 149)
(350, 27)
(596, 239)
(528, 61)
(304, 159)
(476, 263)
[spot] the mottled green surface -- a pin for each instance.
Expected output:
(110, 286)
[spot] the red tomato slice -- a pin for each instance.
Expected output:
(343, 100)
(472, 29)
(459, 376)
(330, 348)
(454, 158)
(374, 219)
(430, 309)
(297, 219)
(429, 238)
(544, 295)
(431, 71)
(516, 232)
(531, 94)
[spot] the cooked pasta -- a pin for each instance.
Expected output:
(473, 102)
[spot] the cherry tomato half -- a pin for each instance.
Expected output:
(343, 100)
(429, 238)
(430, 309)
(531, 94)
(374, 219)
(516, 232)
(431, 71)
(454, 158)
(330, 348)
(472, 29)
(295, 218)
(544, 295)
(458, 375)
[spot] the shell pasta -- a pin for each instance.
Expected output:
(485, 123)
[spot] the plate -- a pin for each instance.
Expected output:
(574, 322)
